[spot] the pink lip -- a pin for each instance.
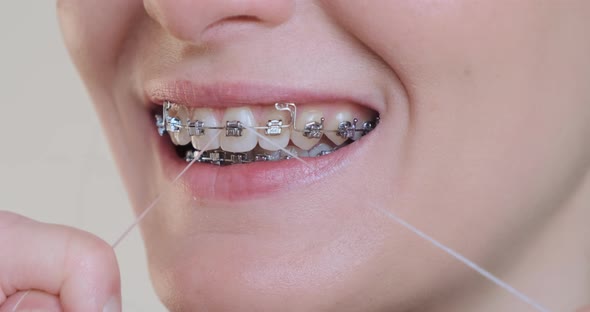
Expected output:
(248, 181)
(245, 181)
(239, 94)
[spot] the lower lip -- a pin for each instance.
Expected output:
(249, 181)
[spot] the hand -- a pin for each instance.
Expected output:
(55, 268)
(584, 309)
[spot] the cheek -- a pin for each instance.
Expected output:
(95, 34)
(497, 125)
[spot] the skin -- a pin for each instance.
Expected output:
(485, 120)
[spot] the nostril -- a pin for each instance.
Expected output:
(237, 19)
(241, 18)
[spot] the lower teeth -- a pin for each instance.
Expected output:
(223, 158)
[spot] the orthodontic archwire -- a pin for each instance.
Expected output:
(274, 127)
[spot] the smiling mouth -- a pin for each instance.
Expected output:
(237, 136)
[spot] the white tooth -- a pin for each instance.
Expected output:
(280, 140)
(207, 116)
(248, 140)
(316, 150)
(304, 117)
(333, 122)
(182, 137)
(173, 138)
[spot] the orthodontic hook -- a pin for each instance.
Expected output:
(312, 130)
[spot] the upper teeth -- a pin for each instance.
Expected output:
(283, 124)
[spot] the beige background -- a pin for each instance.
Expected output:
(54, 165)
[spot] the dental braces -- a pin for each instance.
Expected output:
(234, 128)
(221, 158)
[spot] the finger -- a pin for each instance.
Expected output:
(584, 309)
(32, 300)
(76, 266)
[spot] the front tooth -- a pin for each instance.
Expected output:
(297, 137)
(248, 140)
(207, 116)
(333, 122)
(280, 140)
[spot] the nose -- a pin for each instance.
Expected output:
(193, 20)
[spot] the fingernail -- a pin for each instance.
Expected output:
(113, 305)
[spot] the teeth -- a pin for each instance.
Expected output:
(304, 117)
(208, 118)
(248, 140)
(280, 140)
(182, 137)
(233, 136)
(333, 122)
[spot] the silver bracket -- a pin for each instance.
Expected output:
(214, 157)
(346, 129)
(196, 128)
(313, 130)
(170, 124)
(274, 127)
(237, 158)
(173, 124)
(233, 128)
(262, 157)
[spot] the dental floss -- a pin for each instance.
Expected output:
(456, 255)
(390, 215)
(20, 300)
(157, 199)
(459, 257)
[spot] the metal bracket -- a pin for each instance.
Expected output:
(313, 130)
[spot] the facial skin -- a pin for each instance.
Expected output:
(483, 144)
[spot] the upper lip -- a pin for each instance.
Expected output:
(234, 94)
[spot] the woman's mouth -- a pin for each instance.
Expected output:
(239, 136)
(248, 151)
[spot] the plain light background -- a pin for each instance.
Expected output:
(55, 165)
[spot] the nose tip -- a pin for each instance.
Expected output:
(190, 20)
